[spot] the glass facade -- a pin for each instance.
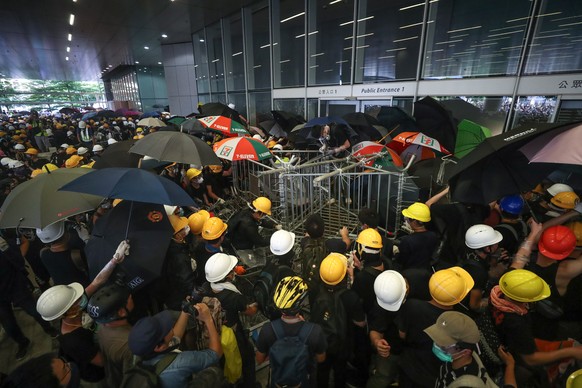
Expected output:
(215, 57)
(288, 43)
(234, 53)
(258, 61)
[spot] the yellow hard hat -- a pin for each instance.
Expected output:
(192, 173)
(576, 227)
(138, 137)
(215, 168)
(262, 204)
(178, 223)
(575, 379)
(50, 167)
(289, 294)
(213, 228)
(73, 161)
(139, 130)
(71, 151)
(450, 286)
(333, 268)
(417, 211)
(524, 286)
(565, 200)
(2, 133)
(35, 173)
(116, 202)
(32, 151)
(370, 238)
(197, 220)
(88, 165)
(271, 144)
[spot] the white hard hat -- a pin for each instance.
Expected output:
(481, 235)
(82, 124)
(55, 301)
(390, 289)
(5, 161)
(218, 266)
(282, 242)
(19, 147)
(231, 105)
(111, 141)
(64, 145)
(170, 209)
(52, 232)
(15, 164)
(114, 123)
(558, 188)
(69, 133)
(82, 151)
(97, 148)
(277, 147)
(257, 137)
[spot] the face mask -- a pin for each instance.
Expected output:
(199, 180)
(441, 354)
(187, 230)
(83, 302)
(75, 381)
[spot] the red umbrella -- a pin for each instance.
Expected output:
(369, 148)
(223, 125)
(241, 148)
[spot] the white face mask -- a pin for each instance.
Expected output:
(199, 180)
(187, 229)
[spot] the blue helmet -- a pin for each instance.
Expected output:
(512, 204)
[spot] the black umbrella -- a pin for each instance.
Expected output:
(360, 119)
(68, 110)
(435, 121)
(427, 172)
(462, 110)
(396, 120)
(117, 155)
(149, 233)
(176, 147)
(273, 128)
(168, 128)
(192, 126)
(105, 114)
(287, 120)
(219, 109)
(496, 168)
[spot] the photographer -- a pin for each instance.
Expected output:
(158, 337)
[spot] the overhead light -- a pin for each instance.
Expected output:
(70, 37)
(66, 58)
(293, 17)
(159, 63)
(164, 36)
(201, 40)
(72, 19)
(68, 49)
(137, 62)
(110, 66)
(146, 47)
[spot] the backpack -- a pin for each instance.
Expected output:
(474, 381)
(329, 312)
(289, 356)
(200, 339)
(145, 376)
(311, 257)
(265, 285)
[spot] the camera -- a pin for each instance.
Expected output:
(188, 307)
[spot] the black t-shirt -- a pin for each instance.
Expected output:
(416, 250)
(232, 303)
(196, 193)
(385, 322)
(364, 286)
(37, 163)
(515, 332)
(513, 235)
(61, 268)
(417, 279)
(80, 347)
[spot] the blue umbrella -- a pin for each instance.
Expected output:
(88, 115)
(325, 121)
(132, 184)
(153, 113)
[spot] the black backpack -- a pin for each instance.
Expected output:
(311, 257)
(146, 376)
(265, 287)
(329, 312)
(289, 356)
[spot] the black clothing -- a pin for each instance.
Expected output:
(513, 234)
(197, 194)
(364, 286)
(243, 231)
(416, 250)
(178, 276)
(79, 346)
(543, 327)
(34, 164)
(201, 255)
(61, 267)
(417, 283)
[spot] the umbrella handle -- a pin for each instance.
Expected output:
(128, 220)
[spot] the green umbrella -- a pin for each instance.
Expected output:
(469, 135)
(177, 120)
(37, 203)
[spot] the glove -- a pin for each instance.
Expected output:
(278, 226)
(220, 201)
(240, 270)
(82, 232)
(121, 252)
(193, 264)
(578, 207)
(323, 149)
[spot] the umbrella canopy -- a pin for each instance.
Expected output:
(325, 121)
(385, 154)
(68, 110)
(273, 128)
(360, 119)
(223, 125)
(435, 121)
(177, 120)
(469, 135)
(565, 147)
(286, 120)
(117, 155)
(89, 115)
(149, 233)
(176, 147)
(132, 184)
(396, 120)
(242, 148)
(88, 108)
(405, 139)
(152, 113)
(192, 126)
(37, 203)
(151, 122)
(495, 168)
(219, 109)
(462, 110)
(105, 114)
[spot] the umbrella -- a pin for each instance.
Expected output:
(405, 139)
(429, 171)
(166, 128)
(495, 168)
(177, 120)
(88, 108)
(241, 148)
(68, 110)
(192, 126)
(149, 233)
(176, 147)
(273, 128)
(37, 203)
(360, 119)
(325, 121)
(385, 154)
(286, 120)
(106, 113)
(223, 125)
(462, 110)
(153, 113)
(469, 135)
(132, 113)
(435, 121)
(151, 122)
(132, 184)
(89, 115)
(396, 120)
(219, 109)
(117, 155)
(564, 147)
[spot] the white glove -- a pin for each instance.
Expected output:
(578, 207)
(82, 232)
(278, 226)
(193, 264)
(395, 250)
(121, 252)
(220, 201)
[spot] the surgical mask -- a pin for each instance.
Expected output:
(441, 354)
(199, 180)
(187, 230)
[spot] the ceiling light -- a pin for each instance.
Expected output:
(66, 58)
(137, 62)
(68, 49)
(70, 37)
(110, 66)
(293, 17)
(159, 63)
(164, 36)
(146, 47)
(72, 19)
(201, 40)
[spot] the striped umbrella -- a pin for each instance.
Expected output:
(241, 148)
(223, 125)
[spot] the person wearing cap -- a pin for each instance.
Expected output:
(19, 152)
(455, 337)
(510, 304)
(97, 150)
(84, 153)
(33, 161)
(219, 271)
(418, 366)
(511, 226)
(59, 157)
(112, 307)
(39, 131)
(213, 234)
(85, 135)
(243, 230)
(416, 249)
(193, 182)
(156, 339)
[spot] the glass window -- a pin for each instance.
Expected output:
(201, 62)
(204, 99)
(557, 41)
(240, 102)
(387, 39)
(312, 105)
(329, 42)
(215, 57)
(490, 112)
(258, 58)
(288, 43)
(234, 49)
(293, 105)
(534, 109)
(259, 103)
(471, 39)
